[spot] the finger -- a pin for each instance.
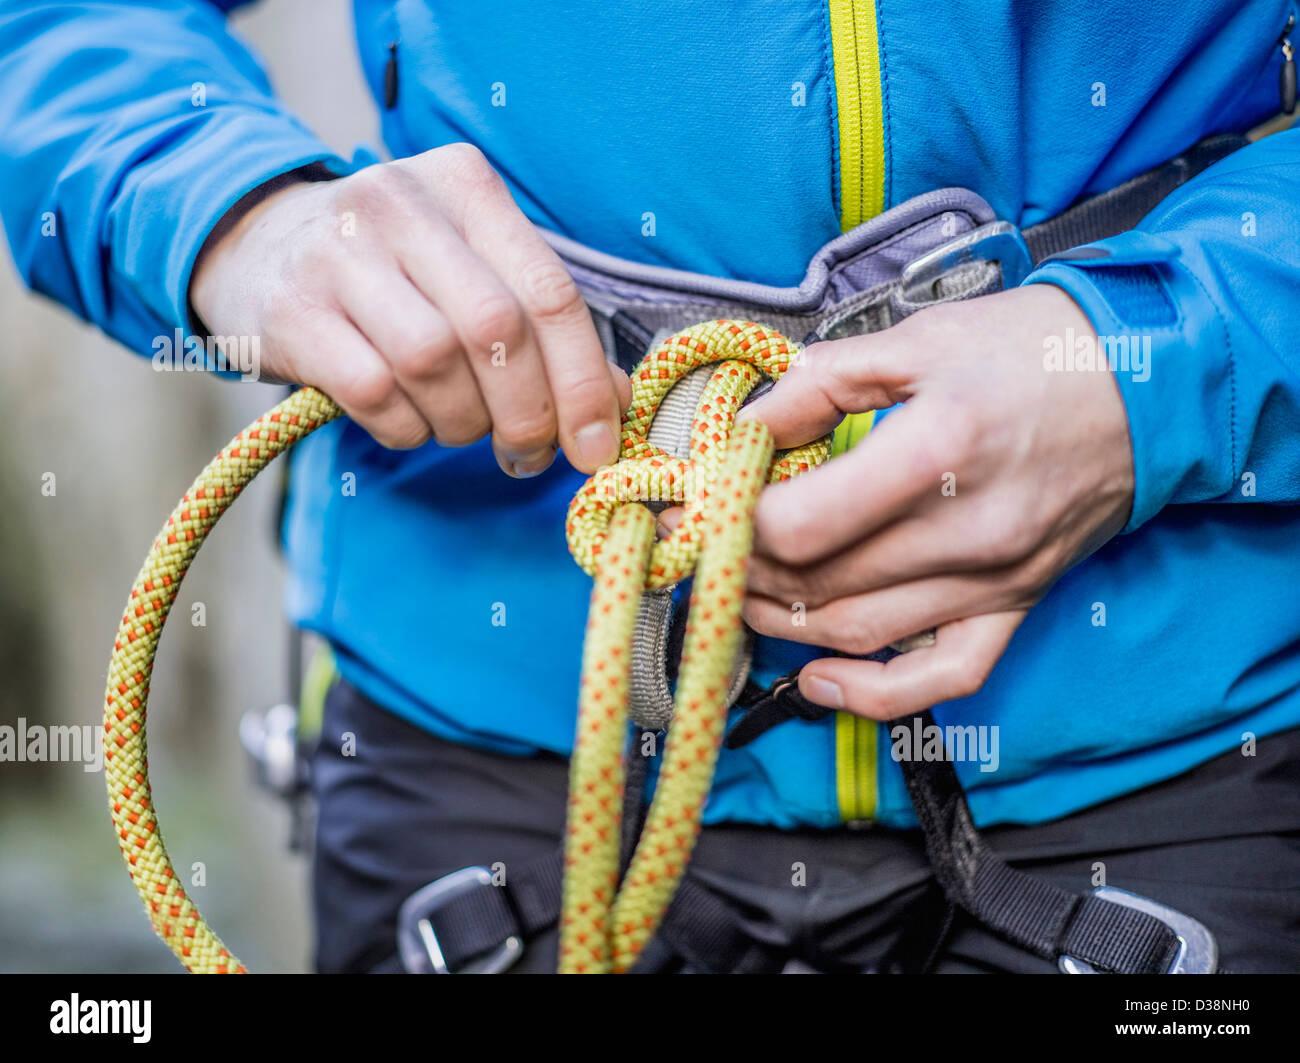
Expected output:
(420, 346)
(500, 349)
(623, 387)
(582, 381)
(832, 379)
(666, 521)
(904, 462)
(956, 666)
(349, 370)
(865, 623)
(908, 550)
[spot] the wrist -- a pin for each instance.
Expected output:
(1166, 341)
(220, 248)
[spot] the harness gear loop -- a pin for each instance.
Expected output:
(175, 917)
(605, 925)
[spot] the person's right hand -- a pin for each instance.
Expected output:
(417, 296)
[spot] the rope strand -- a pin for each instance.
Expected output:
(604, 927)
(175, 917)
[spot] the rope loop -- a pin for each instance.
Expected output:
(605, 924)
(744, 353)
(173, 913)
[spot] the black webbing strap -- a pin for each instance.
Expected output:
(767, 708)
(780, 702)
(1122, 207)
(698, 926)
(702, 929)
(478, 920)
(1028, 911)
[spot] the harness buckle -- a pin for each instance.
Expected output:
(1198, 952)
(998, 241)
(417, 942)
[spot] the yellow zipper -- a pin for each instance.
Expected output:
(855, 766)
(860, 115)
(855, 738)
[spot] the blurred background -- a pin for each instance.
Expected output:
(123, 443)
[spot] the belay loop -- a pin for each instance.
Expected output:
(605, 925)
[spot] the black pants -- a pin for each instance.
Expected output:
(1220, 843)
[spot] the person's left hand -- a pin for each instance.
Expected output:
(956, 513)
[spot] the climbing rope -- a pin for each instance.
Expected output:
(605, 924)
(175, 917)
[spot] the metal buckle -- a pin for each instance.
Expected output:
(1198, 952)
(417, 943)
(270, 739)
(998, 241)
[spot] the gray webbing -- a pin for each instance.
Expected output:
(650, 701)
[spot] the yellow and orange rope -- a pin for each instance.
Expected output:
(604, 926)
(174, 915)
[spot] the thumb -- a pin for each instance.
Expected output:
(829, 380)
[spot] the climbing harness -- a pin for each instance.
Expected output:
(937, 247)
(625, 885)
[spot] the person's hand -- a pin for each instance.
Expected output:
(957, 512)
(419, 297)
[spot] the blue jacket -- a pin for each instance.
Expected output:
(746, 126)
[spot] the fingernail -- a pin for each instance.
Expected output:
(532, 464)
(597, 445)
(823, 692)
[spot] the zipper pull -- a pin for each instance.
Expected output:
(390, 79)
(1286, 86)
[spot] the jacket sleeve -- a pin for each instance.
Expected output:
(127, 129)
(1210, 280)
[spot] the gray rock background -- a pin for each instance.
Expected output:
(124, 442)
